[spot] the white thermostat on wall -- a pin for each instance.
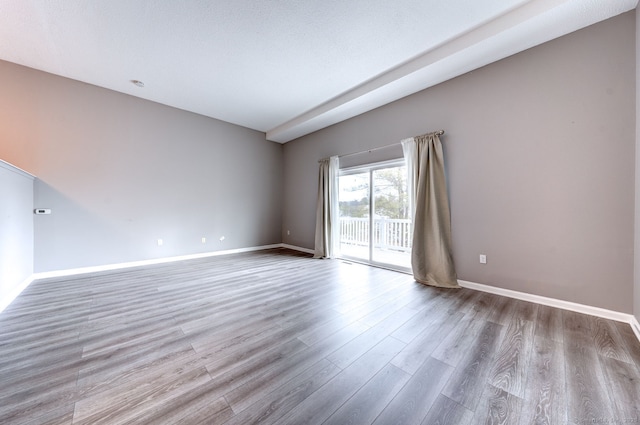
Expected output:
(43, 211)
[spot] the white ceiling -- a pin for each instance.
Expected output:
(284, 67)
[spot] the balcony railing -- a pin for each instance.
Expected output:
(389, 234)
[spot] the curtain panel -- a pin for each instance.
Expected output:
(431, 252)
(327, 212)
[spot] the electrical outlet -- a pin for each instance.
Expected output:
(160, 242)
(204, 240)
(483, 259)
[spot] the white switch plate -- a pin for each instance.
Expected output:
(160, 242)
(483, 259)
(204, 240)
(221, 238)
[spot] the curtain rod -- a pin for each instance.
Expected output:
(437, 133)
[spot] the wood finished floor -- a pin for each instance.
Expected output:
(275, 337)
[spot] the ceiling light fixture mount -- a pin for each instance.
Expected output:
(137, 83)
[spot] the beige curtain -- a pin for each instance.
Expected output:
(327, 212)
(431, 252)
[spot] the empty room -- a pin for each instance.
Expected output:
(319, 212)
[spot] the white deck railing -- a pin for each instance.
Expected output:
(393, 234)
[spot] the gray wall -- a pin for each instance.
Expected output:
(16, 229)
(120, 172)
(540, 161)
(636, 290)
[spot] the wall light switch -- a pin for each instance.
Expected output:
(204, 240)
(483, 259)
(221, 238)
(160, 242)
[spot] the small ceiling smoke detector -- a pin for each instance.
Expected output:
(138, 83)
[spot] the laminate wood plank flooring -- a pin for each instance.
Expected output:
(545, 386)
(276, 337)
(445, 411)
(470, 377)
(327, 399)
(497, 407)
(414, 400)
(368, 402)
(587, 395)
(549, 323)
(511, 362)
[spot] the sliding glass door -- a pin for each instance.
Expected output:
(375, 224)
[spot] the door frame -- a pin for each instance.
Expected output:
(370, 168)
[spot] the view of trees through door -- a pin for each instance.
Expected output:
(375, 224)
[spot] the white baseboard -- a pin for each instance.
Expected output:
(636, 327)
(297, 248)
(8, 299)
(552, 302)
(107, 267)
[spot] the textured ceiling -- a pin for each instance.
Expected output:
(284, 67)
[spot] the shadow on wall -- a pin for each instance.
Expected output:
(72, 235)
(107, 229)
(16, 229)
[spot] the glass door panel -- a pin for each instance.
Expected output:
(354, 215)
(375, 222)
(391, 222)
